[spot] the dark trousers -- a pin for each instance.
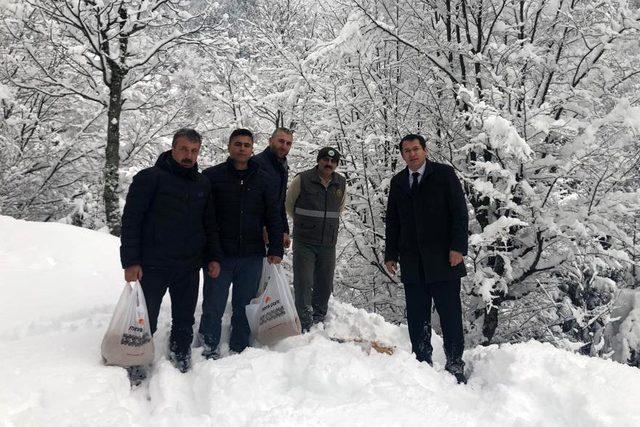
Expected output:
(313, 267)
(244, 273)
(446, 296)
(183, 290)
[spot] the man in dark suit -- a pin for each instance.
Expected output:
(426, 231)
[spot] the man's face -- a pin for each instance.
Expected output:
(280, 144)
(185, 152)
(413, 154)
(327, 165)
(241, 148)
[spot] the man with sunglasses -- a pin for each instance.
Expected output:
(315, 200)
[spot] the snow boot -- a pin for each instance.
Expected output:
(460, 377)
(136, 375)
(425, 356)
(210, 353)
(318, 318)
(180, 361)
(456, 368)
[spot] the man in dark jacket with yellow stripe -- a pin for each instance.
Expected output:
(426, 231)
(315, 200)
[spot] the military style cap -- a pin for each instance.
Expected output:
(328, 152)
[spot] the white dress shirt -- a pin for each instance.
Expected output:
(420, 171)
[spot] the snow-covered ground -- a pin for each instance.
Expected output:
(58, 287)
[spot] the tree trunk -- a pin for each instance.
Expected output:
(112, 154)
(489, 325)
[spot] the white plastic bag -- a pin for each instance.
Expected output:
(128, 340)
(272, 315)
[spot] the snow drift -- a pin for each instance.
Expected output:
(59, 285)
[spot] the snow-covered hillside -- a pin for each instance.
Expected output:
(58, 287)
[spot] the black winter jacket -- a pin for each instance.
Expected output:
(168, 220)
(422, 229)
(243, 207)
(279, 172)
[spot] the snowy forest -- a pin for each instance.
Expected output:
(536, 104)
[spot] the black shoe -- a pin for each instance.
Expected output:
(136, 375)
(236, 350)
(456, 368)
(210, 353)
(425, 358)
(181, 361)
(460, 378)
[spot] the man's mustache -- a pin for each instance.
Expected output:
(186, 162)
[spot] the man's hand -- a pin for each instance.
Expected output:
(133, 273)
(455, 258)
(272, 259)
(392, 267)
(214, 269)
(286, 240)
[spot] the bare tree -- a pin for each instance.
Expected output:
(109, 49)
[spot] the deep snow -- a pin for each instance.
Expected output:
(58, 287)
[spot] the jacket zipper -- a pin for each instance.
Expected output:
(241, 215)
(324, 220)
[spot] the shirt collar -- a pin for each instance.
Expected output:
(420, 169)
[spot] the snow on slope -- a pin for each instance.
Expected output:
(59, 284)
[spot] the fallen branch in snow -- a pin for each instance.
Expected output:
(367, 345)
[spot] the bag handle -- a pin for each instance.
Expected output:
(137, 289)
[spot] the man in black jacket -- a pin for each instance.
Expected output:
(168, 231)
(245, 202)
(273, 160)
(426, 231)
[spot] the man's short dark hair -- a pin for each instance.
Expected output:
(283, 130)
(240, 132)
(191, 134)
(411, 137)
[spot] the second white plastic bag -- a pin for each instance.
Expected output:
(272, 315)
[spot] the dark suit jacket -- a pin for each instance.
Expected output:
(422, 229)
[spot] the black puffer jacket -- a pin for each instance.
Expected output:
(243, 207)
(279, 172)
(169, 219)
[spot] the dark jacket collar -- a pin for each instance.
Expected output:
(252, 166)
(274, 159)
(166, 162)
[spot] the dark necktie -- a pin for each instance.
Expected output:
(414, 183)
